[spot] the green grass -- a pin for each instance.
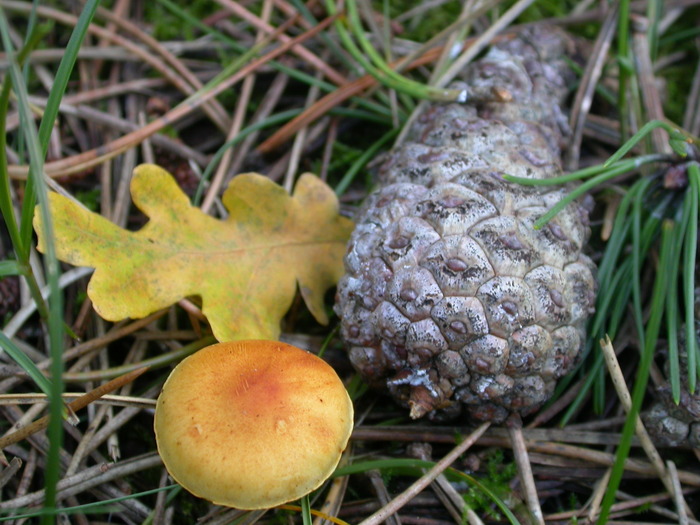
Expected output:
(169, 26)
(35, 191)
(651, 223)
(483, 491)
(498, 476)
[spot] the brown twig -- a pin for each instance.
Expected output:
(648, 86)
(155, 62)
(88, 478)
(9, 471)
(425, 480)
(333, 99)
(681, 505)
(584, 95)
(522, 460)
(88, 159)
(213, 108)
(287, 41)
(237, 123)
(618, 381)
(74, 406)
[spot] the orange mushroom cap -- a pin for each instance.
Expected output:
(252, 424)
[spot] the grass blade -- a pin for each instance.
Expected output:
(362, 161)
(27, 364)
(637, 255)
(56, 304)
(623, 166)
(98, 507)
(9, 268)
(689, 277)
(5, 197)
(676, 140)
(306, 518)
(277, 66)
(37, 146)
(272, 120)
(651, 336)
(580, 190)
(19, 243)
(415, 466)
(385, 74)
(53, 102)
(672, 313)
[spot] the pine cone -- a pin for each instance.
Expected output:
(451, 298)
(674, 425)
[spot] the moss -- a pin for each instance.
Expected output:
(440, 17)
(543, 9)
(678, 77)
(89, 198)
(167, 26)
(499, 474)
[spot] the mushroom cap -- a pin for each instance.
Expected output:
(252, 424)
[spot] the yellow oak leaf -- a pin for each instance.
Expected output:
(245, 268)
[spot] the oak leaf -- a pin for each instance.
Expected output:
(245, 268)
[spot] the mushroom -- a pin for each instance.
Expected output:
(252, 424)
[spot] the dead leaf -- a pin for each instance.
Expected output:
(245, 268)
